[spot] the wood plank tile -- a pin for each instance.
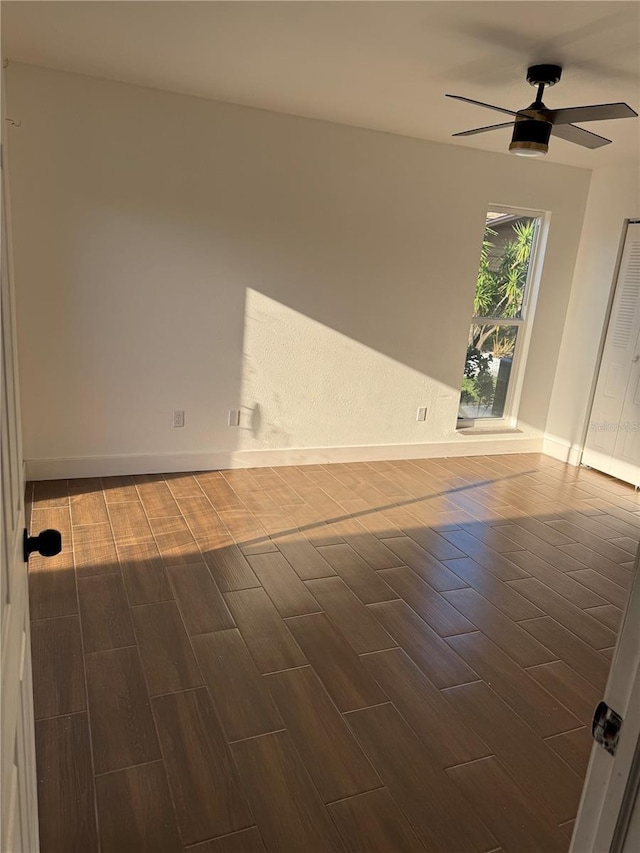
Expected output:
(122, 728)
(601, 546)
(129, 523)
(499, 565)
(424, 564)
(607, 614)
(50, 493)
(568, 687)
(52, 590)
(611, 592)
(201, 603)
(89, 507)
(372, 550)
(431, 653)
(157, 500)
(175, 541)
(230, 568)
(429, 604)
(218, 491)
(290, 596)
(358, 575)
(592, 560)
(248, 533)
(574, 748)
(373, 522)
(143, 573)
(339, 668)
(440, 816)
(516, 688)
(539, 771)
(421, 703)
(372, 823)
(518, 823)
(357, 624)
(567, 828)
(183, 485)
(167, 657)
(332, 756)
(497, 592)
(283, 799)
(495, 537)
(433, 542)
(95, 557)
(119, 489)
(560, 582)
(104, 613)
(567, 647)
(202, 778)
(136, 812)
(65, 785)
(549, 553)
(505, 633)
(57, 689)
(238, 691)
(573, 618)
(308, 562)
(264, 631)
(245, 841)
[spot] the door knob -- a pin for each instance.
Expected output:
(48, 543)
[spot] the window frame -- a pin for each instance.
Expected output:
(509, 419)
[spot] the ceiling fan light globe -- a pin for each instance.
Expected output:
(528, 149)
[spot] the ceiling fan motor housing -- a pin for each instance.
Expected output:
(530, 136)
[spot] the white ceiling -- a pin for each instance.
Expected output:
(381, 65)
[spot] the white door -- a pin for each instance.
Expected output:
(19, 815)
(613, 439)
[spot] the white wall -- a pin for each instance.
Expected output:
(176, 253)
(614, 196)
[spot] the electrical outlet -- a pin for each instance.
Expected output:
(234, 417)
(178, 418)
(421, 414)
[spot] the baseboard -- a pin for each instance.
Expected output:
(109, 466)
(562, 450)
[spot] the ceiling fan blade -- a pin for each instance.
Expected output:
(597, 112)
(578, 135)
(484, 129)
(480, 104)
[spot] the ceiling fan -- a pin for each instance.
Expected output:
(534, 125)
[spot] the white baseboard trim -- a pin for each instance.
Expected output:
(110, 466)
(562, 450)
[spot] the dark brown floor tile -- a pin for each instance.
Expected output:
(607, 589)
(119, 489)
(104, 613)
(372, 823)
(135, 811)
(307, 561)
(327, 748)
(289, 594)
(429, 651)
(601, 546)
(496, 591)
(574, 748)
(65, 786)
(522, 693)
(144, 574)
(433, 542)
(518, 823)
(167, 657)
(530, 542)
(201, 603)
(122, 729)
(504, 632)
(357, 574)
(238, 691)
(50, 493)
(357, 624)
(129, 523)
(592, 560)
(566, 828)
(372, 550)
(607, 614)
(422, 704)
(175, 541)
(569, 688)
(499, 565)
(429, 604)
(440, 816)
(52, 590)
(230, 568)
(245, 841)
(424, 564)
(574, 652)
(528, 759)
(58, 667)
(283, 799)
(249, 535)
(203, 781)
(578, 621)
(95, 557)
(341, 671)
(218, 491)
(560, 582)
(264, 631)
(157, 500)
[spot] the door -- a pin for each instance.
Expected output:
(613, 439)
(19, 820)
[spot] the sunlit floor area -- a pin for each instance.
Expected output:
(386, 656)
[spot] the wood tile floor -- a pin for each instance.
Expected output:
(384, 657)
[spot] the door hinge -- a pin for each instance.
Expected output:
(606, 727)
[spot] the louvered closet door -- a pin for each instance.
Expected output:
(613, 440)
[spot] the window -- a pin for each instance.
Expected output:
(501, 319)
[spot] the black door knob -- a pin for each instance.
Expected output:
(48, 543)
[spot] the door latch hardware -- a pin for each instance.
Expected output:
(606, 727)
